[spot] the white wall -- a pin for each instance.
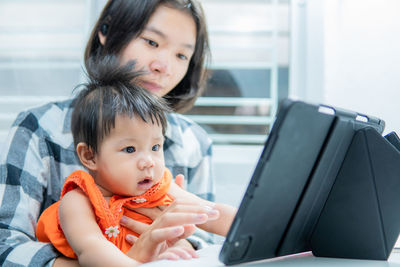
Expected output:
(362, 57)
(233, 168)
(359, 68)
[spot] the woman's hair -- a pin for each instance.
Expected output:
(110, 92)
(123, 20)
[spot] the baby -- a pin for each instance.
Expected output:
(118, 130)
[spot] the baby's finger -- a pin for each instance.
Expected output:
(181, 253)
(192, 252)
(168, 256)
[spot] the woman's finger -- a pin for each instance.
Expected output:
(135, 226)
(167, 233)
(152, 213)
(176, 214)
(179, 218)
(184, 207)
(180, 180)
(131, 239)
(189, 230)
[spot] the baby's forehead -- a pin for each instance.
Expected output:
(125, 120)
(134, 117)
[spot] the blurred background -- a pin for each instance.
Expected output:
(342, 53)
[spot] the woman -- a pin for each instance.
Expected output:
(168, 40)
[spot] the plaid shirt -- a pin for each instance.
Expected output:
(39, 154)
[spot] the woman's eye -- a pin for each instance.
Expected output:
(129, 149)
(151, 42)
(155, 148)
(182, 56)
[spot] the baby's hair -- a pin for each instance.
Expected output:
(111, 91)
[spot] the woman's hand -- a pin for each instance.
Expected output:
(177, 191)
(176, 222)
(180, 181)
(222, 214)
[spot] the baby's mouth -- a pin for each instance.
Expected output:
(145, 183)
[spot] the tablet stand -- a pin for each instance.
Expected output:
(361, 217)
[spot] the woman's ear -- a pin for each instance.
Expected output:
(102, 38)
(86, 156)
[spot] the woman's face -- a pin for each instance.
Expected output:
(163, 50)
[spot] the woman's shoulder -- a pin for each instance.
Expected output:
(50, 121)
(184, 123)
(182, 129)
(52, 109)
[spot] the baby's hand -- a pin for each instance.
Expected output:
(181, 250)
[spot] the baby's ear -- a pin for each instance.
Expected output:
(86, 156)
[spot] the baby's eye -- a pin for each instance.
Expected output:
(156, 148)
(182, 56)
(129, 149)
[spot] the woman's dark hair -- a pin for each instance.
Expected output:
(123, 20)
(111, 91)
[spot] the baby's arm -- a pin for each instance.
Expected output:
(79, 225)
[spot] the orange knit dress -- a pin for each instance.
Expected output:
(48, 228)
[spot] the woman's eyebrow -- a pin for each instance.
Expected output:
(156, 31)
(164, 36)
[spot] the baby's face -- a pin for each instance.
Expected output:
(130, 159)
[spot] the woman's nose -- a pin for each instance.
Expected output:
(145, 162)
(161, 65)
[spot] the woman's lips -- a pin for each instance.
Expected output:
(153, 87)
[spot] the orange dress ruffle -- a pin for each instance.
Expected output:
(108, 216)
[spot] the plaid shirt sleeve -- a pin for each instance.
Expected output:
(28, 162)
(188, 151)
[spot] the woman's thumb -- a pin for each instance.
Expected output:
(180, 181)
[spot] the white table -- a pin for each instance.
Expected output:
(209, 258)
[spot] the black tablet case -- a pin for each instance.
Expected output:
(306, 191)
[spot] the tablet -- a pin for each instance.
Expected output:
(292, 180)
